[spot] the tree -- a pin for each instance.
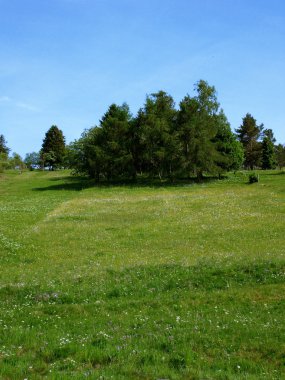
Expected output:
(4, 163)
(16, 161)
(113, 150)
(53, 148)
(197, 124)
(249, 134)
(104, 151)
(231, 151)
(280, 155)
(137, 145)
(158, 135)
(48, 159)
(32, 160)
(268, 151)
(3, 147)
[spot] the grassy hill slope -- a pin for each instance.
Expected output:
(141, 282)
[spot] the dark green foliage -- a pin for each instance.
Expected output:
(199, 126)
(105, 151)
(231, 154)
(75, 156)
(268, 151)
(158, 135)
(137, 144)
(252, 178)
(113, 150)
(53, 148)
(3, 145)
(249, 134)
(208, 144)
(197, 131)
(280, 155)
(164, 142)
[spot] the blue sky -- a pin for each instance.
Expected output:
(64, 62)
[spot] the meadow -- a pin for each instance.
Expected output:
(142, 281)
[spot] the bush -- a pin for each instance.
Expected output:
(253, 177)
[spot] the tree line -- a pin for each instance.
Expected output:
(162, 141)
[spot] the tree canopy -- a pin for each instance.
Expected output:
(268, 150)
(53, 148)
(249, 134)
(160, 140)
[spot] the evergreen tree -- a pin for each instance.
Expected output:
(113, 142)
(104, 151)
(249, 134)
(231, 151)
(158, 136)
(53, 148)
(3, 145)
(280, 155)
(268, 150)
(137, 143)
(197, 126)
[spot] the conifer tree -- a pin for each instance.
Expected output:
(53, 148)
(158, 135)
(268, 150)
(280, 155)
(231, 151)
(3, 145)
(198, 127)
(249, 134)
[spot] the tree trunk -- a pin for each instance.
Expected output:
(199, 175)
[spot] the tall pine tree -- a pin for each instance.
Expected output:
(268, 150)
(3, 145)
(158, 135)
(53, 148)
(231, 155)
(249, 134)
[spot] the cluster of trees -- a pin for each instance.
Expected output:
(167, 142)
(53, 152)
(7, 162)
(160, 141)
(51, 155)
(258, 144)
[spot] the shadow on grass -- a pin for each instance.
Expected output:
(155, 281)
(68, 183)
(75, 183)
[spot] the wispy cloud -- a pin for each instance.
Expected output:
(26, 106)
(19, 104)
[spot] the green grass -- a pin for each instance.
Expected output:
(180, 281)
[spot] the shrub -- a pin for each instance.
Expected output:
(253, 177)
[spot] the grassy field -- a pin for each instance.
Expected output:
(142, 282)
